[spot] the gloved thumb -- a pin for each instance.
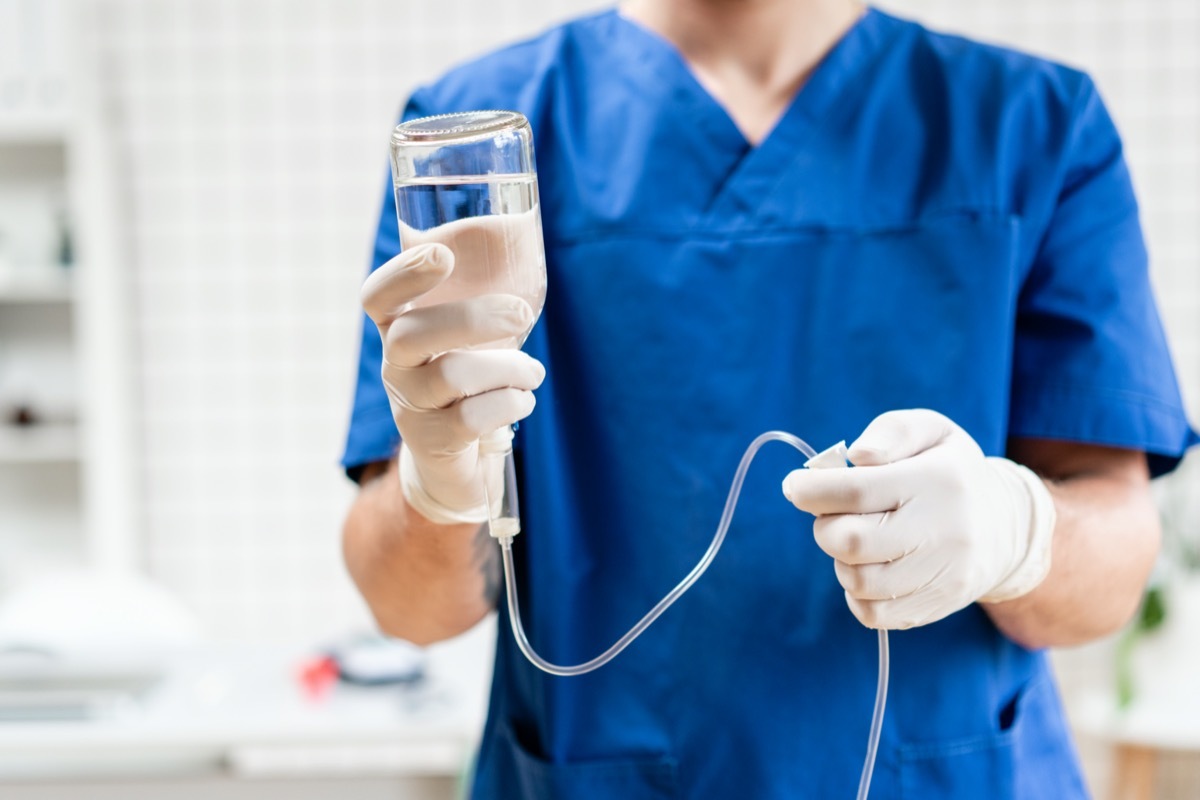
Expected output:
(897, 435)
(404, 278)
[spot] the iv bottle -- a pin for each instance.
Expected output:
(468, 181)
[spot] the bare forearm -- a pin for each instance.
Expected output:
(423, 582)
(1105, 543)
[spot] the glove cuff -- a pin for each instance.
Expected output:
(1033, 564)
(425, 504)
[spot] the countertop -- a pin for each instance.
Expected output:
(243, 710)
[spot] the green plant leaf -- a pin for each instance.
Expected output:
(1150, 616)
(1153, 611)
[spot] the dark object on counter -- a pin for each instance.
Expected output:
(362, 661)
(370, 660)
(66, 242)
(379, 661)
(22, 416)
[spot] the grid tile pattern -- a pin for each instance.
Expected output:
(254, 133)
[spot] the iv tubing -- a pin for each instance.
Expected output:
(735, 489)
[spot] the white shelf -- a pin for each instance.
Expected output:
(38, 444)
(49, 285)
(33, 130)
(60, 151)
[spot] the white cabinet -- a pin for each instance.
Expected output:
(66, 440)
(41, 521)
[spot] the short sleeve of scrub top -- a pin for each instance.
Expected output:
(1090, 360)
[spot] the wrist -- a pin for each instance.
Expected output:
(424, 503)
(1035, 518)
(472, 507)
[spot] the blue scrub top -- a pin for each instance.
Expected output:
(933, 223)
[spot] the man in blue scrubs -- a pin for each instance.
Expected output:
(793, 214)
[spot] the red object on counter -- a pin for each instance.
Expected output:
(317, 677)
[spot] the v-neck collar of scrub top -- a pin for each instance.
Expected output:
(752, 172)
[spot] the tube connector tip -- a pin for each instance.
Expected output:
(504, 528)
(831, 458)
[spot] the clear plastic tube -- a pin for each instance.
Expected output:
(735, 490)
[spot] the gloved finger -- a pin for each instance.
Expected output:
(484, 413)
(897, 435)
(403, 279)
(417, 336)
(461, 373)
(911, 611)
(863, 490)
(448, 431)
(858, 538)
(877, 581)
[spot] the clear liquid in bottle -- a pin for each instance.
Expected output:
(493, 226)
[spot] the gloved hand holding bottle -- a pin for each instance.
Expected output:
(444, 394)
(925, 524)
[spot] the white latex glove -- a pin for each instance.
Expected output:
(443, 396)
(925, 525)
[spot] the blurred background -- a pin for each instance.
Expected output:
(188, 194)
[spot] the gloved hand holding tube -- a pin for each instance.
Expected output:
(925, 524)
(445, 396)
